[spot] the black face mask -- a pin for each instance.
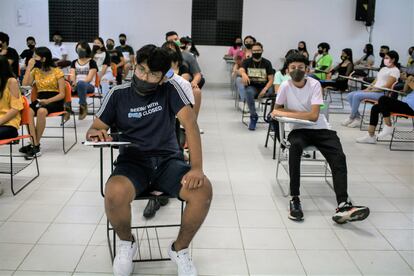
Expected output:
(122, 41)
(248, 46)
(143, 88)
(365, 51)
(96, 48)
(38, 64)
(382, 55)
(237, 44)
(301, 48)
(31, 46)
(110, 46)
(297, 75)
(82, 53)
(257, 55)
(320, 51)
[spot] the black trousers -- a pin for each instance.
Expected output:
(7, 132)
(327, 142)
(386, 105)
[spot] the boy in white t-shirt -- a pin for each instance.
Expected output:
(301, 98)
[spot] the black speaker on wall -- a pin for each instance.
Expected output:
(365, 11)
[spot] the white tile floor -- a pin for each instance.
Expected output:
(57, 225)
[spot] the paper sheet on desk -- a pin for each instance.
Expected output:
(89, 143)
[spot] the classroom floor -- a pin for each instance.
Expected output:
(57, 225)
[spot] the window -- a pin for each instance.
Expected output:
(216, 22)
(75, 19)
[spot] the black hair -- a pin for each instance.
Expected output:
(84, 45)
(4, 38)
(156, 58)
(30, 38)
(325, 46)
(103, 45)
(285, 65)
(44, 52)
(296, 57)
(170, 33)
(258, 44)
(305, 48)
(175, 56)
(395, 56)
(56, 33)
(385, 47)
(348, 52)
(411, 48)
(5, 73)
(370, 50)
(249, 36)
(122, 35)
(174, 47)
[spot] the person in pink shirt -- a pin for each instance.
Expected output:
(236, 49)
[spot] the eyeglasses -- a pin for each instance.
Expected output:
(151, 76)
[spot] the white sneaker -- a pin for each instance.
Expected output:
(387, 130)
(355, 123)
(367, 139)
(347, 121)
(184, 263)
(126, 250)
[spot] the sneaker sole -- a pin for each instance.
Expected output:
(358, 215)
(295, 219)
(32, 157)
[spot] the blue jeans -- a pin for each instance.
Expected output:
(240, 88)
(83, 88)
(355, 98)
(251, 94)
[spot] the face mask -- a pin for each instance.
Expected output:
(143, 88)
(344, 57)
(382, 55)
(82, 53)
(31, 46)
(365, 51)
(257, 55)
(297, 75)
(238, 44)
(38, 64)
(387, 62)
(320, 51)
(248, 46)
(110, 46)
(95, 48)
(411, 53)
(301, 48)
(177, 42)
(122, 41)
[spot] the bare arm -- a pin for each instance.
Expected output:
(90, 76)
(313, 115)
(15, 93)
(28, 79)
(98, 131)
(195, 177)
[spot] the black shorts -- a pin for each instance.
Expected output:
(149, 174)
(52, 107)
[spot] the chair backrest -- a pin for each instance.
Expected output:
(33, 93)
(97, 80)
(68, 92)
(114, 70)
(25, 113)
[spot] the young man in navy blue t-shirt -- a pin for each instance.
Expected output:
(144, 111)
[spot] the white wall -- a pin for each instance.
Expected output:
(278, 24)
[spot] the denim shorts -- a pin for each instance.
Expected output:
(149, 174)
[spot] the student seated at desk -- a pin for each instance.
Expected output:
(145, 110)
(386, 106)
(344, 68)
(386, 77)
(301, 98)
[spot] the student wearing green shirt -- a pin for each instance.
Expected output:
(322, 62)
